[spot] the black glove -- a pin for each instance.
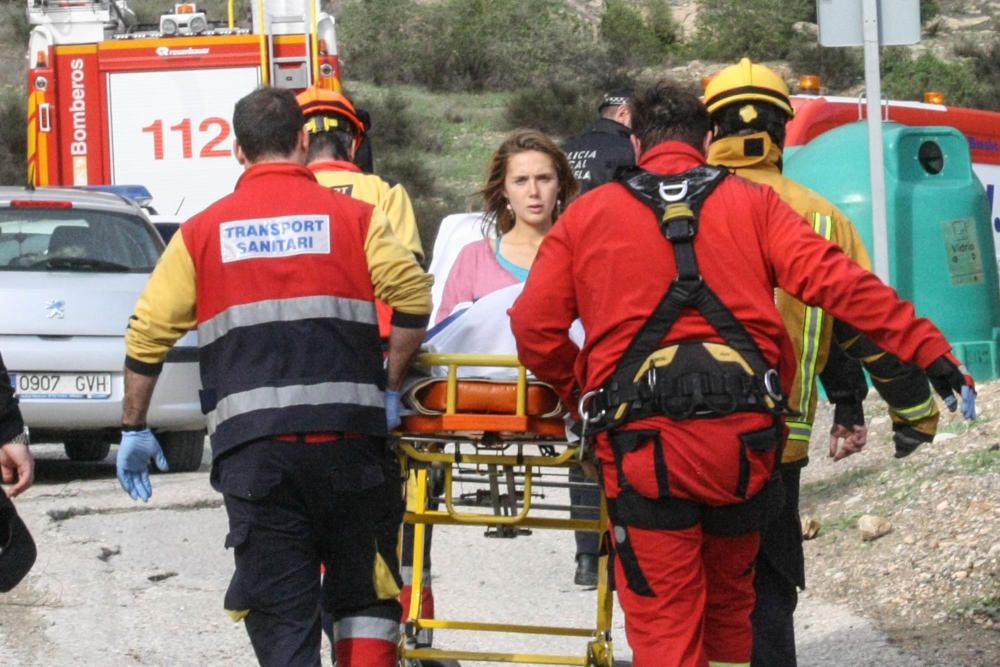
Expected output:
(848, 414)
(949, 377)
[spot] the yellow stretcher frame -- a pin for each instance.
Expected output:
(418, 452)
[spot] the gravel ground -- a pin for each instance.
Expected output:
(119, 584)
(933, 582)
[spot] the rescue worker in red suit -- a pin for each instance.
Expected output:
(280, 279)
(749, 107)
(688, 437)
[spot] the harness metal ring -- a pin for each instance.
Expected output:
(673, 192)
(581, 407)
(772, 384)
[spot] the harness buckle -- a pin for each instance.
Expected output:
(680, 229)
(651, 377)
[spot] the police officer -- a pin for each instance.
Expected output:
(280, 279)
(17, 467)
(749, 108)
(681, 371)
(597, 153)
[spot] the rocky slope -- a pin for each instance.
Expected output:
(933, 581)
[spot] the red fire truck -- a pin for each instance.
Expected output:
(112, 102)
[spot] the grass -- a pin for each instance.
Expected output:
(828, 489)
(843, 522)
(984, 607)
(980, 461)
(959, 426)
(467, 127)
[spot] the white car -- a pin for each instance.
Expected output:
(72, 265)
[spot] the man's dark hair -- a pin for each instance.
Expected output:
(749, 117)
(669, 111)
(332, 144)
(267, 122)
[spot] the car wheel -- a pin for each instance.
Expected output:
(183, 449)
(87, 450)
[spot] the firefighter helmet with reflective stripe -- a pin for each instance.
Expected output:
(746, 81)
(326, 110)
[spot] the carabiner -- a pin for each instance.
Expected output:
(772, 385)
(581, 407)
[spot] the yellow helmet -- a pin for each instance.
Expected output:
(747, 81)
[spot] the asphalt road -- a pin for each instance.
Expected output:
(120, 583)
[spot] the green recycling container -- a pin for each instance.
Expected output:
(940, 241)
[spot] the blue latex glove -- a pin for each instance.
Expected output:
(392, 409)
(134, 452)
(968, 402)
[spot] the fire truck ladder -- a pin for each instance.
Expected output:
(288, 71)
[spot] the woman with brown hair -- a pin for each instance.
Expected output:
(528, 184)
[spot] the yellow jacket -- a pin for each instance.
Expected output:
(810, 329)
(393, 200)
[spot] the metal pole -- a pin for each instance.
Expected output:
(873, 90)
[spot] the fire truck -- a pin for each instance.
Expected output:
(114, 102)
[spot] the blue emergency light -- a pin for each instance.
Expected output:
(137, 193)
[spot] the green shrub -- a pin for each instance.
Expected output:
(985, 64)
(639, 34)
(15, 22)
(395, 126)
(383, 41)
(554, 108)
(759, 29)
(504, 44)
(929, 9)
(906, 78)
(454, 45)
(147, 12)
(398, 146)
(13, 136)
(838, 68)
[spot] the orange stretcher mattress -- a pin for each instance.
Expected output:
(484, 405)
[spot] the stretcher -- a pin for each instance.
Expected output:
(508, 440)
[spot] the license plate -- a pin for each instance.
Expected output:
(87, 386)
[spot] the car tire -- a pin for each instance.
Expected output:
(183, 449)
(87, 450)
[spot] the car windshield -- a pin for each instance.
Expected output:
(74, 239)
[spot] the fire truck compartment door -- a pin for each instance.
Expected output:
(171, 131)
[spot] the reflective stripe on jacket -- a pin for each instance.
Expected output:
(314, 303)
(810, 330)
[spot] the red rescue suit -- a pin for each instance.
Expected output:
(688, 594)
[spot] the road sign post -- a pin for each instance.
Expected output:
(872, 23)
